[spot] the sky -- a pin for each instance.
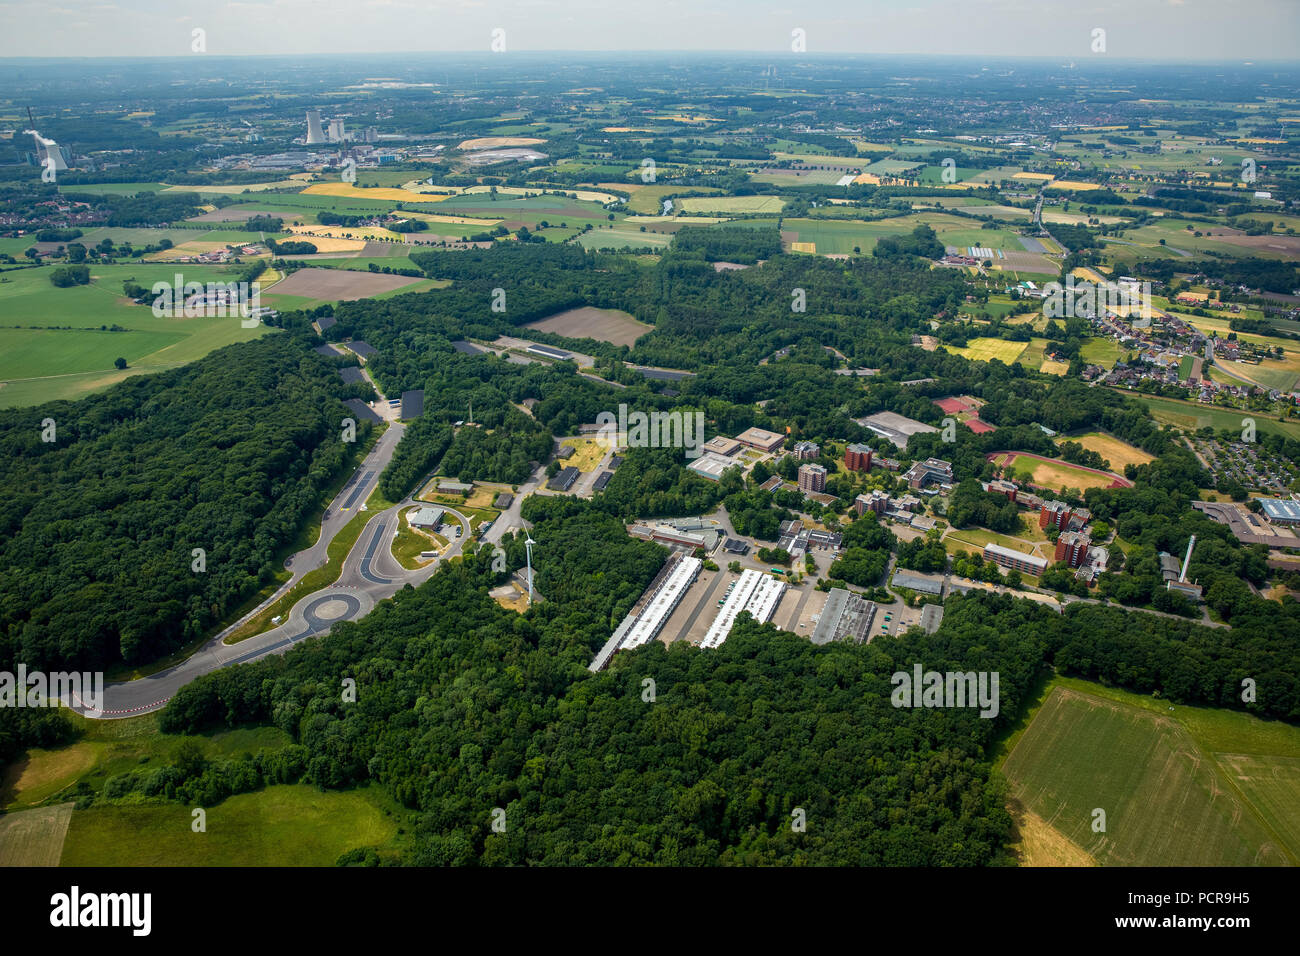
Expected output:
(1179, 30)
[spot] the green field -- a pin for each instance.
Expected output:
(39, 361)
(294, 825)
(1191, 416)
(1101, 351)
(1180, 786)
(621, 236)
(730, 205)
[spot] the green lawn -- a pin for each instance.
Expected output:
(1180, 786)
(279, 826)
(39, 361)
(1191, 416)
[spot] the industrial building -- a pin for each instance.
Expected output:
(755, 592)
(564, 479)
(931, 617)
(549, 352)
(857, 458)
(915, 581)
(846, 615)
(427, 517)
(1280, 510)
(710, 466)
(646, 619)
(1025, 563)
(315, 135)
(455, 487)
(412, 404)
(812, 478)
(897, 428)
(602, 480)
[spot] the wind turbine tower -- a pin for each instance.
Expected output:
(528, 554)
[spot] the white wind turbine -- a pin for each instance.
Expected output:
(528, 553)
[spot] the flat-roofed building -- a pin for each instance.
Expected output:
(930, 470)
(427, 517)
(897, 428)
(755, 592)
(1020, 561)
(647, 617)
(412, 404)
(602, 480)
(915, 581)
(711, 466)
(455, 487)
(845, 616)
(504, 500)
(812, 477)
(858, 457)
(772, 483)
(761, 438)
(722, 445)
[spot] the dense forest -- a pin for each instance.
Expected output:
(230, 455)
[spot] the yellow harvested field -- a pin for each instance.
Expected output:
(803, 247)
(1073, 185)
(588, 195)
(321, 235)
(326, 241)
(626, 129)
(1041, 844)
(1051, 367)
(587, 453)
(34, 837)
(1118, 453)
(387, 194)
(867, 179)
(234, 190)
(1088, 275)
(499, 142)
(455, 220)
(1036, 177)
(985, 349)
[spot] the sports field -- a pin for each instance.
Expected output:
(1180, 786)
(1052, 473)
(294, 825)
(1118, 453)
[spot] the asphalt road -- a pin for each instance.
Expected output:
(370, 574)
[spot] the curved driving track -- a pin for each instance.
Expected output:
(370, 574)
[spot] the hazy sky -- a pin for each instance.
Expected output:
(1158, 29)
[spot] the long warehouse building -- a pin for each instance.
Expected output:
(646, 619)
(755, 592)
